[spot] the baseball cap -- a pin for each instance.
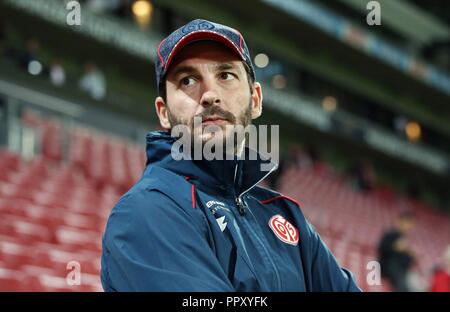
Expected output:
(198, 30)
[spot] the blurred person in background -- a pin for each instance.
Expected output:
(29, 58)
(57, 73)
(364, 176)
(93, 81)
(440, 281)
(399, 124)
(395, 256)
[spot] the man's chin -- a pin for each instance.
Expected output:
(212, 138)
(218, 138)
(206, 133)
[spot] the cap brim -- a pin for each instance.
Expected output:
(201, 35)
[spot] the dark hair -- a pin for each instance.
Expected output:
(163, 91)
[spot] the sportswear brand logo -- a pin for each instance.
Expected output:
(222, 223)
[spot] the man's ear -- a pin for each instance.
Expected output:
(257, 99)
(162, 112)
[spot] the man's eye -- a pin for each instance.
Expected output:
(227, 76)
(187, 81)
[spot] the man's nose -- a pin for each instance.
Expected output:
(210, 95)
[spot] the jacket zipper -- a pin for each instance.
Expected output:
(261, 242)
(238, 199)
(240, 205)
(242, 211)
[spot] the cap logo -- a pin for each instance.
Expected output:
(203, 25)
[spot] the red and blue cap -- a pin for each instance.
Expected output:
(198, 30)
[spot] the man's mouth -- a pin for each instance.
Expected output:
(213, 121)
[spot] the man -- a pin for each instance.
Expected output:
(205, 225)
(395, 255)
(440, 281)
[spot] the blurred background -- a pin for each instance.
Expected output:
(364, 115)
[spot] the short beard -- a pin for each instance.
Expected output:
(243, 119)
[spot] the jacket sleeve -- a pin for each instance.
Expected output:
(152, 244)
(325, 272)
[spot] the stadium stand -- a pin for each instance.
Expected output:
(54, 212)
(369, 214)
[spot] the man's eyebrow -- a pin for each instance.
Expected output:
(226, 66)
(183, 69)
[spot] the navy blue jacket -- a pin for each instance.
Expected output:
(206, 226)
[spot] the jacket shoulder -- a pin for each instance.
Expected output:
(159, 184)
(152, 196)
(265, 195)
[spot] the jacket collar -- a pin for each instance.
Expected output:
(236, 175)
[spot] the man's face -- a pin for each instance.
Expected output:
(208, 81)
